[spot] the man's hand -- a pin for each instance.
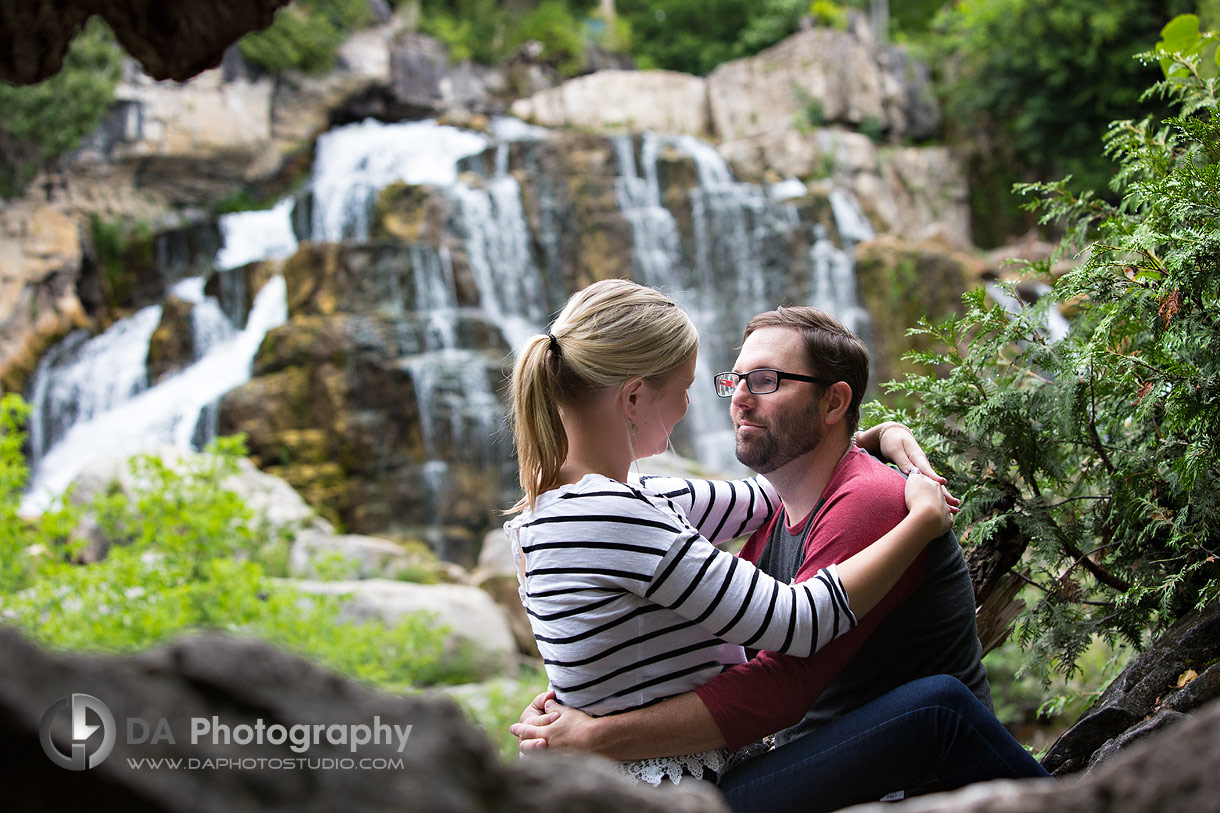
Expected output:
(537, 706)
(534, 716)
(558, 726)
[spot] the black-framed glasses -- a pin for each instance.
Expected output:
(759, 382)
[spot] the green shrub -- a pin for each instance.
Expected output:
(829, 13)
(562, 38)
(186, 558)
(1095, 453)
(49, 119)
(306, 35)
(16, 536)
(1029, 87)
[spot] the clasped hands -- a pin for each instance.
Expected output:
(548, 723)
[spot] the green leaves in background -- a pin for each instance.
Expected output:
(306, 35)
(1182, 47)
(40, 122)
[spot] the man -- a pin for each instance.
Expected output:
(796, 390)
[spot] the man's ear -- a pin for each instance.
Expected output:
(836, 402)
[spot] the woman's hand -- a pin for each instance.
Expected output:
(926, 501)
(896, 443)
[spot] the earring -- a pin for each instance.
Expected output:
(632, 428)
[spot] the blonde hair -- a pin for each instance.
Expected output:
(608, 333)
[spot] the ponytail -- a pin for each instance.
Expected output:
(609, 332)
(542, 444)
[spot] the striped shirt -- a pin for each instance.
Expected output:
(630, 604)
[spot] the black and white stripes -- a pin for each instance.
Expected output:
(629, 603)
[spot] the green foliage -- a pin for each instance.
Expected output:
(1099, 450)
(695, 36)
(190, 559)
(1030, 85)
(1021, 699)
(21, 538)
(124, 250)
(306, 35)
(912, 18)
(872, 127)
(15, 536)
(499, 704)
(49, 119)
(829, 13)
(552, 25)
(490, 30)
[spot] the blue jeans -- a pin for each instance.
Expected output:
(930, 730)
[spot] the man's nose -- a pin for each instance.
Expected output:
(742, 395)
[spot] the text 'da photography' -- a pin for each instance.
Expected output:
(78, 733)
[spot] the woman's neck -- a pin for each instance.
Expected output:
(598, 443)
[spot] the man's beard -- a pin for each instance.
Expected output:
(787, 439)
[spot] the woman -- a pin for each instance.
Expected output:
(629, 601)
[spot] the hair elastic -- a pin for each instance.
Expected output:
(554, 343)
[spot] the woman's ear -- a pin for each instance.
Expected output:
(837, 401)
(629, 396)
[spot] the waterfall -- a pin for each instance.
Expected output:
(81, 378)
(209, 325)
(496, 238)
(257, 235)
(723, 248)
(91, 397)
(355, 162)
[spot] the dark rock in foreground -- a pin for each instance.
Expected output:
(1151, 693)
(162, 700)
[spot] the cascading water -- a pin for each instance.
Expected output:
(257, 235)
(91, 398)
(724, 249)
(81, 378)
(355, 162)
(738, 265)
(461, 415)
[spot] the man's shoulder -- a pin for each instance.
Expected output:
(862, 476)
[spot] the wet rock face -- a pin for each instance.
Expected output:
(171, 39)
(349, 404)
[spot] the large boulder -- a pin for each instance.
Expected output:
(478, 631)
(822, 76)
(628, 101)
(319, 554)
(423, 754)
